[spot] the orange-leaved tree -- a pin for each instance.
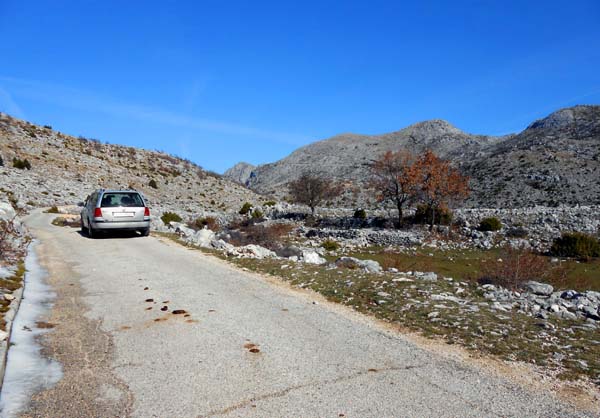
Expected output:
(439, 183)
(394, 180)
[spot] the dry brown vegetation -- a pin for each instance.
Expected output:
(270, 236)
(515, 266)
(209, 222)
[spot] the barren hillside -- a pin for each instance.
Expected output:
(65, 169)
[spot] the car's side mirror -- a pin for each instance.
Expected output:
(80, 204)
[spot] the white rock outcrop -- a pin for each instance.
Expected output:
(312, 257)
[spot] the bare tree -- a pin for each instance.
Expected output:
(312, 189)
(394, 179)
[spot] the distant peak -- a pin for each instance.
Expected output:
(242, 164)
(435, 126)
(565, 117)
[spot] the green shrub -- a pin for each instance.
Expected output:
(330, 245)
(269, 203)
(490, 224)
(152, 183)
(53, 209)
(168, 217)
(257, 214)
(21, 164)
(424, 214)
(360, 214)
(576, 244)
(245, 208)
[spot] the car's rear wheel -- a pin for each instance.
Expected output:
(84, 230)
(91, 232)
(145, 232)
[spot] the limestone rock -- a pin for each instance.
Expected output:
(312, 257)
(538, 288)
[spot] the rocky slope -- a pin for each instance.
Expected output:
(555, 160)
(65, 169)
(240, 173)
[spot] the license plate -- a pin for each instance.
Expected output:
(123, 215)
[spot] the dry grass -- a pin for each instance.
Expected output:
(9, 285)
(271, 236)
(515, 266)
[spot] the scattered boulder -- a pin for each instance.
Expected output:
(429, 276)
(204, 238)
(370, 266)
(312, 257)
(255, 251)
(181, 229)
(219, 244)
(289, 251)
(569, 294)
(592, 312)
(542, 289)
(7, 212)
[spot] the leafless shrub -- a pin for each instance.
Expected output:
(208, 221)
(347, 264)
(391, 260)
(271, 236)
(8, 251)
(515, 266)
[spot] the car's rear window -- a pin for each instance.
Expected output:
(123, 199)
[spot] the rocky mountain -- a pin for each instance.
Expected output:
(240, 173)
(64, 169)
(555, 160)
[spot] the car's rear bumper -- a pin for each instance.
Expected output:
(113, 226)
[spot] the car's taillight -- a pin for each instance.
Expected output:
(146, 211)
(97, 213)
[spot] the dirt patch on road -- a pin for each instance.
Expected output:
(84, 351)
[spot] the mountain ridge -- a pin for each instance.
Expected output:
(501, 177)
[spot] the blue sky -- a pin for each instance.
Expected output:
(222, 81)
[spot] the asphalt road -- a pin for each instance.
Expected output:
(249, 348)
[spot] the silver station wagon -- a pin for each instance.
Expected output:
(115, 210)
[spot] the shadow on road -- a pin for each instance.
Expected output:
(111, 235)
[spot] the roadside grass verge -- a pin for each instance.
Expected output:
(467, 265)
(8, 286)
(568, 350)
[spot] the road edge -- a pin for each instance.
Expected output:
(9, 318)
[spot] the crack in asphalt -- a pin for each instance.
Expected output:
(284, 392)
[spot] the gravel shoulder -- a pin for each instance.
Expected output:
(89, 386)
(230, 343)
